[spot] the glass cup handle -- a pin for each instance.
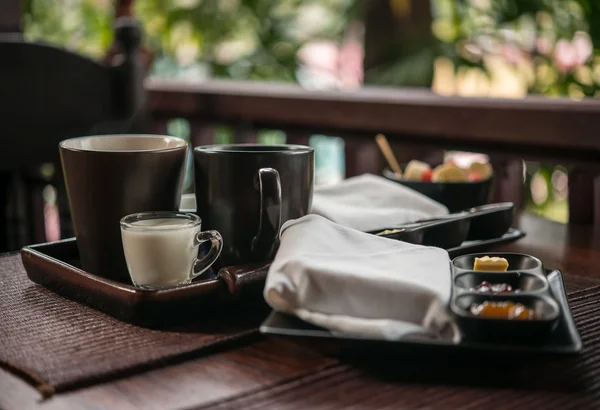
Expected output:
(216, 246)
(266, 241)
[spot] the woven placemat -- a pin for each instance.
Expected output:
(57, 344)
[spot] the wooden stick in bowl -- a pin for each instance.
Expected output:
(387, 152)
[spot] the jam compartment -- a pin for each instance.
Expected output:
(442, 233)
(517, 262)
(521, 281)
(507, 330)
(525, 273)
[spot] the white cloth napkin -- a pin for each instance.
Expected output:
(369, 202)
(358, 284)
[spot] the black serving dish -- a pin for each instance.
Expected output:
(526, 274)
(447, 233)
(416, 236)
(456, 196)
(450, 231)
(411, 233)
(443, 233)
(483, 245)
(563, 340)
(485, 221)
(490, 221)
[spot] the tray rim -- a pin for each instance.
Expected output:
(33, 251)
(565, 315)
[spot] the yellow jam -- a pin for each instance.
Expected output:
(494, 264)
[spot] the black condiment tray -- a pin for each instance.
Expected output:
(563, 340)
(530, 288)
(56, 266)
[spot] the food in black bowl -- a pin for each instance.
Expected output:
(456, 188)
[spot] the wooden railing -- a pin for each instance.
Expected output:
(419, 123)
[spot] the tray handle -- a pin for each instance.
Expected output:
(244, 278)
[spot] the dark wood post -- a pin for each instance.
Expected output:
(597, 206)
(10, 24)
(129, 63)
(10, 17)
(508, 182)
(128, 69)
(396, 30)
(581, 197)
(126, 8)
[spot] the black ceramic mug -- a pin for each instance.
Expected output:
(110, 176)
(247, 191)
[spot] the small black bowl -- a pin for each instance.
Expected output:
(507, 330)
(516, 262)
(523, 282)
(456, 196)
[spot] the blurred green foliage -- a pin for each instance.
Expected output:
(547, 41)
(547, 191)
(552, 45)
(241, 39)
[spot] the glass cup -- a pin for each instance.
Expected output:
(161, 248)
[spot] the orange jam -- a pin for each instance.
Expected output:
(502, 310)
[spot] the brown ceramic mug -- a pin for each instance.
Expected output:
(111, 176)
(247, 191)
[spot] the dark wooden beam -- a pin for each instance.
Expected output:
(531, 127)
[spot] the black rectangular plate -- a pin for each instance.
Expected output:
(564, 340)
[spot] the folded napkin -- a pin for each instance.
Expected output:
(369, 202)
(359, 284)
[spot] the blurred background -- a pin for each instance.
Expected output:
(486, 48)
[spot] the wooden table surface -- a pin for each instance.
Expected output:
(266, 372)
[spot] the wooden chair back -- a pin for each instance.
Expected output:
(49, 94)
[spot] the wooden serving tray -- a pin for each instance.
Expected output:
(56, 266)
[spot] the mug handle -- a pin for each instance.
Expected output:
(216, 246)
(266, 241)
